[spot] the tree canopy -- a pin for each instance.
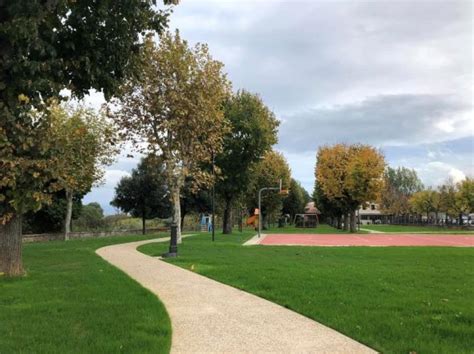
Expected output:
(268, 173)
(348, 176)
(176, 107)
(84, 143)
(296, 199)
(399, 185)
(253, 131)
(144, 193)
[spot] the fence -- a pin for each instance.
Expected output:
(29, 238)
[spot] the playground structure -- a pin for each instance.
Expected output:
(306, 220)
(252, 220)
(310, 217)
(280, 191)
(206, 223)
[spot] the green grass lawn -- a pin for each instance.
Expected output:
(72, 301)
(415, 228)
(394, 299)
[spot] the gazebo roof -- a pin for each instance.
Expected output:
(310, 208)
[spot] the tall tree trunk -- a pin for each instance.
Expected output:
(183, 214)
(346, 222)
(176, 217)
(227, 226)
(143, 223)
(10, 247)
(353, 221)
(67, 221)
(339, 222)
(461, 221)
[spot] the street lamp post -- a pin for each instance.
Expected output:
(213, 196)
(260, 205)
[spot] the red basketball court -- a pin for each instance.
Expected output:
(374, 240)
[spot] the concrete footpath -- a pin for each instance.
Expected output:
(210, 317)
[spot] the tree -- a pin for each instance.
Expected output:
(50, 218)
(85, 142)
(448, 198)
(399, 185)
(348, 176)
(331, 209)
(46, 47)
(268, 173)
(253, 130)
(296, 200)
(364, 182)
(465, 195)
(144, 194)
(422, 202)
(92, 217)
(176, 107)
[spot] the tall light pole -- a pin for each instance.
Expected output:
(213, 197)
(260, 205)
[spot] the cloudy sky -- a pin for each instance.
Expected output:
(395, 74)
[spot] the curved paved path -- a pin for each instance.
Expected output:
(210, 317)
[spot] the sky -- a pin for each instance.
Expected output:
(394, 74)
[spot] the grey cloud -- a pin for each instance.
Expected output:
(381, 120)
(298, 54)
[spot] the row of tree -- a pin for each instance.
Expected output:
(182, 107)
(145, 193)
(348, 176)
(453, 200)
(171, 101)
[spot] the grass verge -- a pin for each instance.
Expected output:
(73, 301)
(394, 299)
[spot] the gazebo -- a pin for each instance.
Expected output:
(310, 218)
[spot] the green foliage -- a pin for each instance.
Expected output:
(296, 200)
(267, 173)
(175, 106)
(253, 131)
(465, 195)
(192, 200)
(144, 194)
(399, 185)
(403, 180)
(51, 217)
(91, 218)
(425, 201)
(84, 142)
(46, 47)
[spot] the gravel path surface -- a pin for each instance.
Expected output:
(210, 317)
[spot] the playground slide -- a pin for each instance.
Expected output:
(251, 220)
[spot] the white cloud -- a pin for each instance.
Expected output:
(435, 173)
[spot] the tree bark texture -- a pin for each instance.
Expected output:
(346, 222)
(353, 228)
(227, 227)
(10, 247)
(176, 217)
(67, 221)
